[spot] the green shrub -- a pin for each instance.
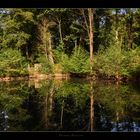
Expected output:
(12, 63)
(134, 61)
(46, 66)
(114, 61)
(78, 62)
(108, 61)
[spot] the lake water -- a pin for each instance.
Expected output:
(69, 105)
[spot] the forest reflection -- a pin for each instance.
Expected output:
(69, 105)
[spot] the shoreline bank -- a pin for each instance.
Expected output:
(61, 76)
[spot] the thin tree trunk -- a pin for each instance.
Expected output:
(75, 42)
(27, 52)
(130, 33)
(61, 37)
(44, 35)
(50, 55)
(116, 27)
(60, 32)
(90, 13)
(86, 23)
(46, 49)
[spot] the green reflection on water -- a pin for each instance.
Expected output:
(74, 105)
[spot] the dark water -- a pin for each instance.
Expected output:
(74, 105)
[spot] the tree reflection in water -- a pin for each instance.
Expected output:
(74, 105)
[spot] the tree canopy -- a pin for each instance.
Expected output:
(93, 40)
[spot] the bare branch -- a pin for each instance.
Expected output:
(86, 23)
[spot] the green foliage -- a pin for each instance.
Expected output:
(78, 62)
(122, 97)
(65, 62)
(108, 61)
(74, 90)
(46, 66)
(57, 55)
(62, 36)
(16, 28)
(134, 63)
(12, 97)
(116, 62)
(12, 63)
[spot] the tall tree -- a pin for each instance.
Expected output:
(89, 28)
(17, 25)
(44, 37)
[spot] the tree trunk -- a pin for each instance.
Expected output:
(60, 32)
(50, 55)
(130, 32)
(116, 28)
(45, 43)
(75, 42)
(61, 37)
(27, 52)
(45, 37)
(90, 14)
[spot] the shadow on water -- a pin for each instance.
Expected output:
(74, 105)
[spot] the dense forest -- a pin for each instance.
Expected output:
(100, 42)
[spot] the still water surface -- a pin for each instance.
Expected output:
(74, 105)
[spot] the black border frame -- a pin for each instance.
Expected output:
(69, 3)
(71, 135)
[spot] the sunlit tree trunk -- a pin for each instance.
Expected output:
(90, 14)
(89, 28)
